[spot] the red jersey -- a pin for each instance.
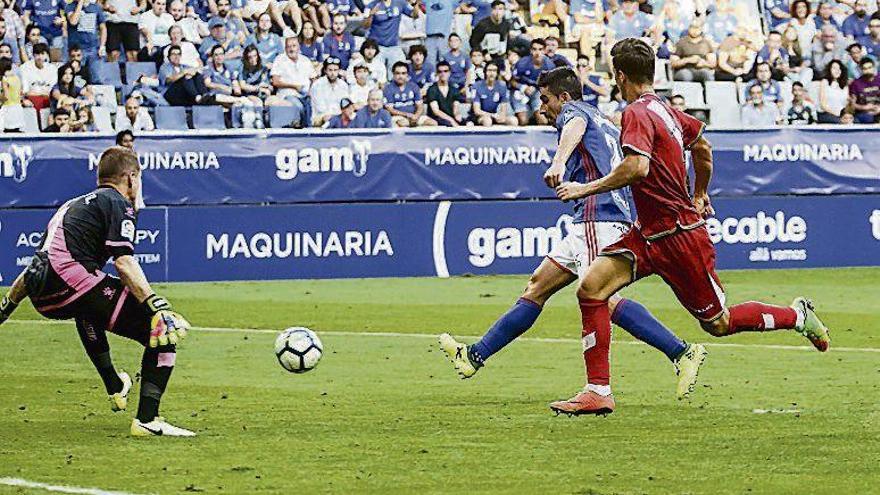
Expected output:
(652, 128)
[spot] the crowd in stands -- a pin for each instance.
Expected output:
(85, 65)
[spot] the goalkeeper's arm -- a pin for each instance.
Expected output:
(13, 298)
(166, 326)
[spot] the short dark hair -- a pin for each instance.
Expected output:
(444, 63)
(676, 97)
(122, 135)
(115, 163)
(477, 50)
(61, 111)
(854, 45)
(399, 64)
(764, 62)
(562, 80)
(797, 84)
(453, 35)
(73, 47)
(496, 3)
(771, 33)
(493, 64)
(213, 49)
(865, 61)
(176, 48)
(537, 41)
(41, 48)
(369, 43)
(417, 49)
(635, 59)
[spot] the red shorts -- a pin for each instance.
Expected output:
(685, 260)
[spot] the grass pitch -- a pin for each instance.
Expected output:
(386, 414)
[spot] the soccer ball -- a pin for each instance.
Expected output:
(298, 349)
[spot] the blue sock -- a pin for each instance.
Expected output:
(511, 325)
(641, 324)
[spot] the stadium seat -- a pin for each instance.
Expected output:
(108, 73)
(662, 75)
(105, 95)
(44, 117)
(133, 70)
(102, 119)
(171, 118)
(692, 93)
(281, 116)
(31, 120)
(723, 101)
(208, 117)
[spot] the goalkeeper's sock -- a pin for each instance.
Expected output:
(511, 325)
(754, 316)
(641, 324)
(108, 373)
(156, 367)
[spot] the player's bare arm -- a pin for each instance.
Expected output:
(632, 169)
(568, 141)
(701, 153)
(132, 275)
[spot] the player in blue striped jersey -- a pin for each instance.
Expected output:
(588, 149)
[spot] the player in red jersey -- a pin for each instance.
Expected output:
(669, 238)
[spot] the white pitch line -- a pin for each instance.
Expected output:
(57, 488)
(546, 340)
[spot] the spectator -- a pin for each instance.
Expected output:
(678, 102)
(477, 71)
(770, 89)
(134, 118)
(75, 57)
(223, 81)
(345, 118)
(458, 60)
(38, 76)
(799, 66)
(412, 29)
(360, 89)
(254, 76)
(491, 103)
(32, 37)
(864, 93)
(776, 55)
(327, 92)
(847, 118)
(735, 56)
(587, 23)
(722, 22)
(825, 16)
(122, 29)
(833, 93)
(60, 121)
(443, 97)
(268, 43)
(827, 47)
(253, 10)
(491, 34)
(756, 112)
(8, 39)
(183, 85)
(801, 111)
(369, 57)
(383, 20)
(317, 13)
(694, 58)
(194, 29)
(292, 78)
(421, 71)
(309, 45)
(855, 54)
(189, 54)
(47, 15)
(338, 43)
(67, 92)
(594, 86)
(6, 51)
(856, 25)
(479, 10)
(551, 45)
(871, 42)
(219, 36)
(11, 113)
(125, 139)
(629, 21)
(373, 116)
(439, 15)
(14, 27)
(83, 120)
(778, 12)
(235, 27)
(154, 25)
(672, 23)
(526, 97)
(403, 100)
(802, 22)
(87, 30)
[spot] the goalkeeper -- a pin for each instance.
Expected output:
(64, 281)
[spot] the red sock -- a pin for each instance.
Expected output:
(754, 316)
(596, 339)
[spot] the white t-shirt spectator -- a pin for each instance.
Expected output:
(158, 27)
(38, 81)
(836, 98)
(358, 94)
(378, 72)
(326, 96)
(189, 54)
(123, 11)
(193, 29)
(299, 73)
(766, 116)
(143, 121)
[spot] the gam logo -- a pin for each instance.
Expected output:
(14, 164)
(291, 162)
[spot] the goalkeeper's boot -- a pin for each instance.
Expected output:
(687, 367)
(466, 364)
(585, 402)
(119, 400)
(158, 428)
(812, 327)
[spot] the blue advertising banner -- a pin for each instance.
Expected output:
(287, 167)
(447, 238)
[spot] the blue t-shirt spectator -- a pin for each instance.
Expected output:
(365, 119)
(484, 8)
(166, 70)
(586, 8)
(782, 5)
(772, 91)
(85, 32)
(489, 99)
(526, 73)
(223, 76)
(311, 52)
(853, 27)
(423, 77)
(385, 28)
(402, 99)
(764, 56)
(43, 14)
(439, 15)
(340, 47)
(269, 46)
(591, 96)
(209, 42)
(459, 65)
(872, 48)
(336, 122)
(719, 26)
(630, 28)
(255, 78)
(820, 23)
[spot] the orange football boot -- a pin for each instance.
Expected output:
(585, 403)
